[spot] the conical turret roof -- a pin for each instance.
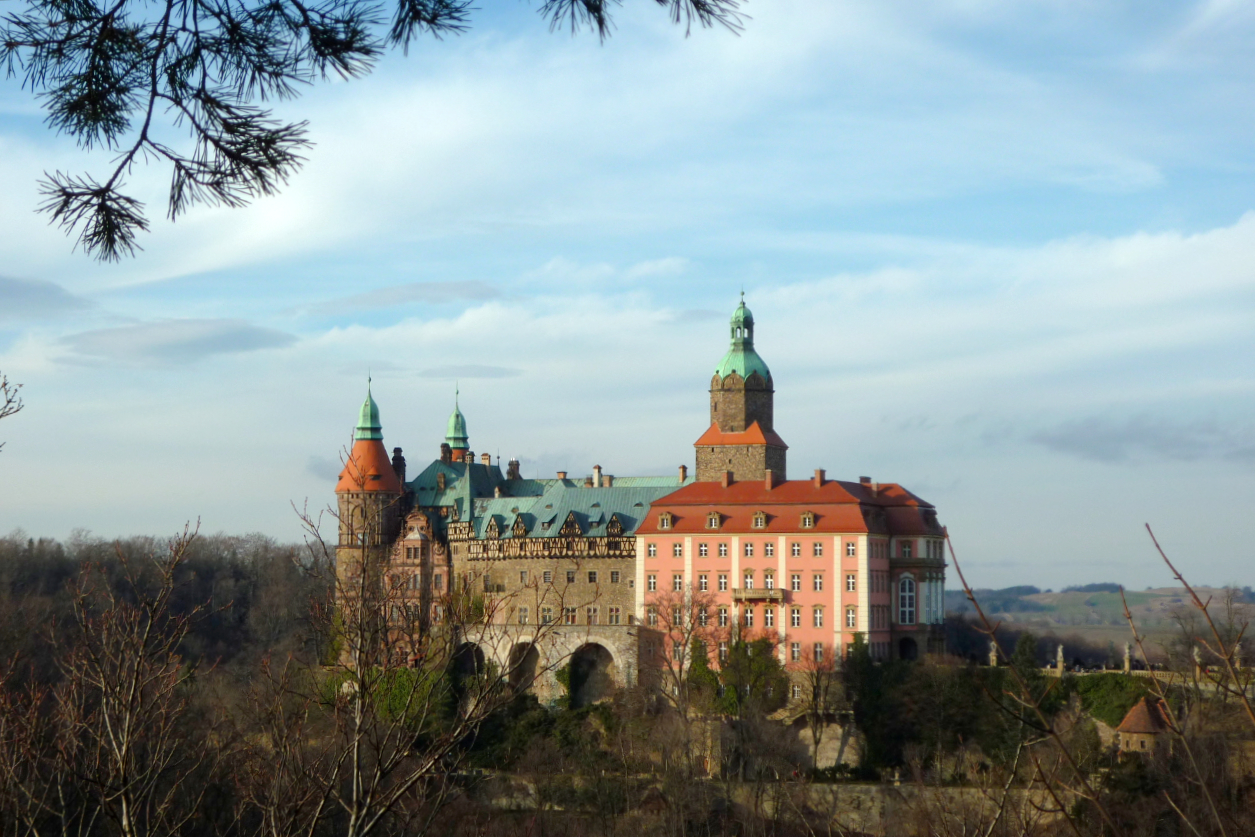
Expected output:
(741, 357)
(455, 435)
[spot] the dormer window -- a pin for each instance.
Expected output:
(664, 520)
(712, 520)
(760, 520)
(808, 520)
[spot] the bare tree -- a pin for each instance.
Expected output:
(823, 700)
(10, 402)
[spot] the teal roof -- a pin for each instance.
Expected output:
(741, 357)
(368, 426)
(455, 434)
(591, 508)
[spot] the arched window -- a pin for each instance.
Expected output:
(906, 601)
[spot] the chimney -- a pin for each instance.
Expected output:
(819, 477)
(485, 458)
(588, 482)
(512, 470)
(446, 453)
(865, 480)
(496, 492)
(398, 464)
(684, 473)
(727, 478)
(440, 481)
(596, 476)
(562, 475)
(607, 481)
(770, 482)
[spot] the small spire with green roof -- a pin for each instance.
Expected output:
(455, 435)
(368, 426)
(741, 357)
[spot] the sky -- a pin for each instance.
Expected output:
(1002, 253)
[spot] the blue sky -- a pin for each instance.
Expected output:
(1002, 253)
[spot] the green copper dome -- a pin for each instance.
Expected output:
(455, 435)
(741, 357)
(368, 426)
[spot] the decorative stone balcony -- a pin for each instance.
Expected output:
(758, 594)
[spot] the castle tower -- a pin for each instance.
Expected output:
(368, 498)
(742, 439)
(455, 435)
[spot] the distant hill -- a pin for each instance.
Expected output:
(1090, 610)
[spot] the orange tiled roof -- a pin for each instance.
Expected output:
(752, 435)
(1144, 718)
(838, 507)
(368, 469)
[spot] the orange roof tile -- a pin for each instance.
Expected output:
(368, 469)
(752, 435)
(1144, 718)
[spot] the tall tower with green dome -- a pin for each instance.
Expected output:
(455, 435)
(742, 439)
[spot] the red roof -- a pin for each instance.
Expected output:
(1145, 718)
(368, 469)
(838, 507)
(752, 435)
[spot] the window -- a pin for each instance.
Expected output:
(795, 617)
(819, 652)
(769, 549)
(568, 615)
(795, 652)
(851, 617)
(723, 550)
(592, 576)
(760, 520)
(797, 691)
(677, 550)
(614, 616)
(523, 577)
(546, 615)
(438, 582)
(651, 616)
(652, 550)
(817, 549)
(749, 580)
(905, 549)
(795, 582)
(677, 650)
(851, 582)
(570, 576)
(437, 613)
(677, 617)
(723, 652)
(749, 550)
(614, 576)
(522, 616)
(652, 583)
(749, 617)
(723, 582)
(703, 583)
(702, 617)
(906, 601)
(818, 617)
(548, 576)
(851, 550)
(703, 550)
(769, 617)
(723, 617)
(769, 580)
(712, 520)
(591, 615)
(817, 581)
(796, 549)
(677, 583)
(664, 521)
(808, 520)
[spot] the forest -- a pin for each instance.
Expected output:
(195, 686)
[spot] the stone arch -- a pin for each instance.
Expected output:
(467, 661)
(908, 649)
(593, 674)
(523, 665)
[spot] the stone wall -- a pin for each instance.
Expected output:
(746, 462)
(736, 404)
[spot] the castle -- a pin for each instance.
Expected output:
(591, 561)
